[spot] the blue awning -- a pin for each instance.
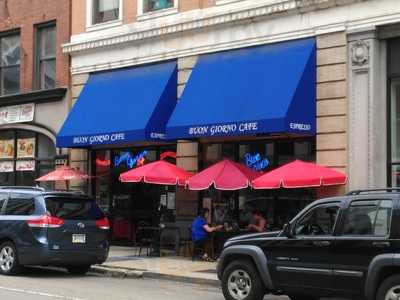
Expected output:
(122, 106)
(258, 90)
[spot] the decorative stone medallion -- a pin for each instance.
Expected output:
(360, 53)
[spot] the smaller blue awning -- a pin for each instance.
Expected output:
(258, 90)
(122, 106)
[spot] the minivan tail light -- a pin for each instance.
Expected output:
(103, 224)
(46, 221)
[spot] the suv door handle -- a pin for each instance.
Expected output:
(322, 243)
(381, 244)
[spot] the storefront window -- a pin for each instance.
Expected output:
(132, 204)
(24, 156)
(394, 105)
(277, 206)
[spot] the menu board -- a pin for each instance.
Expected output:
(17, 113)
(26, 148)
(7, 148)
(25, 165)
(6, 166)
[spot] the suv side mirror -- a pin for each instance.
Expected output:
(286, 231)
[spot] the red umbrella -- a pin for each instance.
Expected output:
(158, 172)
(64, 173)
(224, 175)
(299, 174)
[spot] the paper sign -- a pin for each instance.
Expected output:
(25, 165)
(6, 148)
(26, 148)
(6, 166)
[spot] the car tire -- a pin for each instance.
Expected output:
(241, 281)
(388, 286)
(78, 270)
(9, 264)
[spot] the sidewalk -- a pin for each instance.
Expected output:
(124, 260)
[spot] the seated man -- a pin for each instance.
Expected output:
(200, 231)
(260, 223)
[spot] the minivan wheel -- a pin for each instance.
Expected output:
(389, 289)
(8, 259)
(241, 281)
(78, 270)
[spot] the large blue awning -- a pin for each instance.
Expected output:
(258, 90)
(122, 106)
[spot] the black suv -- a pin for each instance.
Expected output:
(338, 247)
(50, 228)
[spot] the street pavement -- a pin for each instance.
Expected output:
(47, 284)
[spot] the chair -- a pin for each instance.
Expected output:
(185, 242)
(144, 238)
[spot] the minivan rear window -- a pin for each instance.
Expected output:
(73, 208)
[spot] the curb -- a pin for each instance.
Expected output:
(118, 272)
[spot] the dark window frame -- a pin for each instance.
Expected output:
(39, 83)
(392, 76)
(7, 34)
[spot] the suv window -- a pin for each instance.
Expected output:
(318, 221)
(73, 208)
(20, 205)
(368, 218)
(3, 198)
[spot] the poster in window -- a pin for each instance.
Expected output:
(6, 166)
(26, 148)
(25, 165)
(6, 148)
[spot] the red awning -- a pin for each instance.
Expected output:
(299, 174)
(64, 173)
(224, 175)
(158, 172)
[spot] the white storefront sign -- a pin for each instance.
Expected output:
(17, 113)
(6, 166)
(28, 165)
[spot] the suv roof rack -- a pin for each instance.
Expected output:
(26, 188)
(358, 192)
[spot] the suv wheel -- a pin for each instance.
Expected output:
(78, 270)
(241, 281)
(389, 289)
(8, 259)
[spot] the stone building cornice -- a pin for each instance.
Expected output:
(188, 22)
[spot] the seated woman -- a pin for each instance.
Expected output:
(200, 232)
(260, 223)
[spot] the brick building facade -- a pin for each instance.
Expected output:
(34, 85)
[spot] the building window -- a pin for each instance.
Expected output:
(46, 57)
(24, 156)
(105, 11)
(155, 5)
(394, 114)
(10, 59)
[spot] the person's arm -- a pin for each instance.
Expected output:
(210, 229)
(261, 226)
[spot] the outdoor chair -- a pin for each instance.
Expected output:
(144, 238)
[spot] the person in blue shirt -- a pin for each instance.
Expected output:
(201, 230)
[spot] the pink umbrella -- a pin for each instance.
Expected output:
(64, 173)
(299, 174)
(158, 172)
(224, 175)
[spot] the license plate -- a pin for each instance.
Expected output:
(78, 238)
